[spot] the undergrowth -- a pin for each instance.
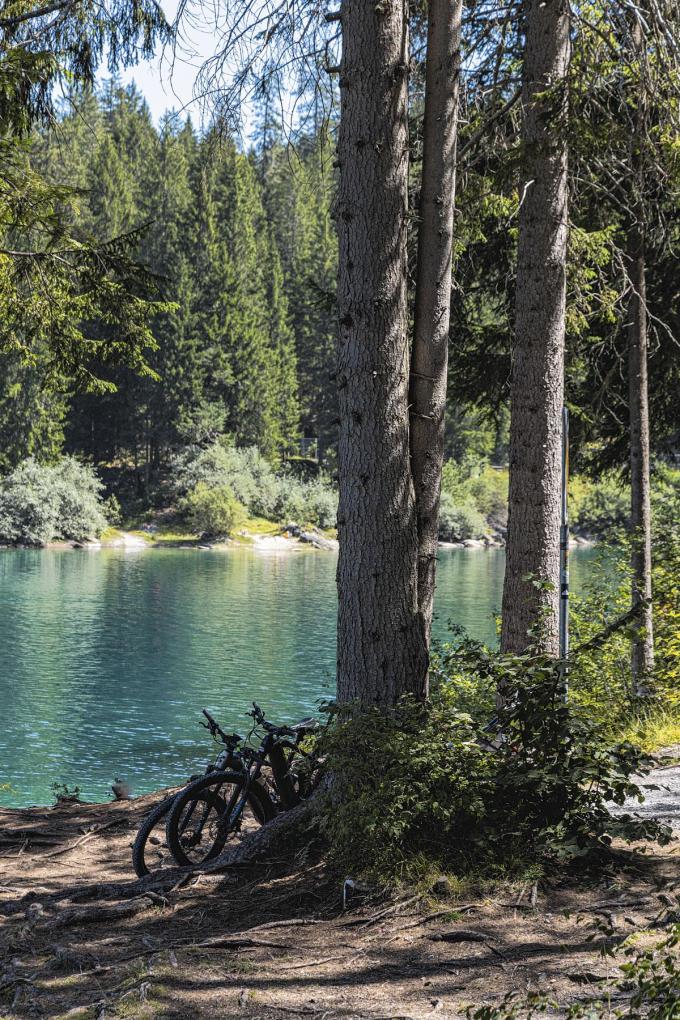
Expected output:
(431, 785)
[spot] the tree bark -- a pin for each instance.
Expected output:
(531, 587)
(381, 647)
(429, 357)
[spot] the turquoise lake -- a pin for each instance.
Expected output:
(107, 657)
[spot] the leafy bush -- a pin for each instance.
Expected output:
(245, 471)
(213, 510)
(666, 587)
(39, 502)
(427, 783)
(254, 483)
(489, 492)
(600, 508)
(403, 784)
(458, 522)
(312, 502)
(665, 500)
(474, 499)
(601, 682)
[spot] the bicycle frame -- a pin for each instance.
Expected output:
(249, 764)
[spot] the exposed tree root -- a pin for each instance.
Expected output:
(282, 833)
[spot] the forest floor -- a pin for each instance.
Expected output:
(271, 941)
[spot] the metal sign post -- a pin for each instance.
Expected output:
(564, 549)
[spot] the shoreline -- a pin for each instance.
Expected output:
(281, 542)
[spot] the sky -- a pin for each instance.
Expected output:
(166, 88)
(167, 81)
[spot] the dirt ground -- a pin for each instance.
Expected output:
(272, 941)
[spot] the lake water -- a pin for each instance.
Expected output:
(107, 657)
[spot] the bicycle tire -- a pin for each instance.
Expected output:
(258, 800)
(139, 847)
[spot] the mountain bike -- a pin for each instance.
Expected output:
(150, 850)
(230, 804)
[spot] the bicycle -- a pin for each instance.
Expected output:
(231, 803)
(148, 847)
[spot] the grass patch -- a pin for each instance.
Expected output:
(653, 730)
(261, 526)
(110, 534)
(169, 536)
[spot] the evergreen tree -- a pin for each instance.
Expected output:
(299, 196)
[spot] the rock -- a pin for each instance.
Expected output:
(121, 790)
(132, 541)
(318, 540)
(441, 886)
(473, 543)
(34, 912)
(313, 537)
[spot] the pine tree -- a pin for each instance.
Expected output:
(299, 195)
(241, 314)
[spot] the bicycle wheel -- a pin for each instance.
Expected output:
(215, 809)
(149, 850)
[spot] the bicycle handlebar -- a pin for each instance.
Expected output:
(215, 728)
(259, 717)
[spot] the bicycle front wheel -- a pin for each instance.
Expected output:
(218, 808)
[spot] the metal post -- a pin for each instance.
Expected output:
(564, 547)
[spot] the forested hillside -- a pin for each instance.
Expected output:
(240, 244)
(243, 253)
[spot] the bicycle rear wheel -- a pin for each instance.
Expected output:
(218, 808)
(149, 850)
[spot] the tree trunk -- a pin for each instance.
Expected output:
(381, 648)
(531, 587)
(429, 358)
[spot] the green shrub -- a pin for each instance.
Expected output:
(601, 683)
(251, 478)
(427, 783)
(213, 510)
(39, 503)
(245, 471)
(458, 522)
(307, 502)
(477, 493)
(403, 784)
(599, 508)
(489, 492)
